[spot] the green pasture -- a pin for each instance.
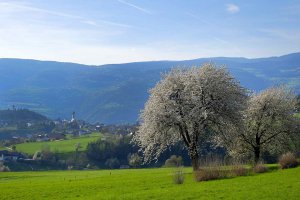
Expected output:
(145, 184)
(63, 146)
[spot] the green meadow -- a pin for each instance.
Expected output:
(63, 146)
(146, 184)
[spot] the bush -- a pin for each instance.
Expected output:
(178, 176)
(211, 168)
(288, 160)
(4, 168)
(173, 161)
(134, 160)
(260, 168)
(239, 170)
(210, 173)
(112, 163)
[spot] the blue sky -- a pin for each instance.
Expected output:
(117, 31)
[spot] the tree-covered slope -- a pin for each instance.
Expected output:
(116, 93)
(21, 115)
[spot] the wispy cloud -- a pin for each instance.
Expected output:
(136, 7)
(198, 18)
(232, 8)
(287, 34)
(22, 7)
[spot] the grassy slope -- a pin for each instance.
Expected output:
(64, 146)
(145, 184)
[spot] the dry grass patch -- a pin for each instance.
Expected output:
(239, 170)
(210, 173)
(178, 176)
(288, 160)
(260, 168)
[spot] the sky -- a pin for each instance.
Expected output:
(116, 31)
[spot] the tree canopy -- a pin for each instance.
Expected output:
(269, 122)
(189, 105)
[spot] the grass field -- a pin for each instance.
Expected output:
(63, 146)
(145, 184)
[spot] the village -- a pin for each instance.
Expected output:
(40, 131)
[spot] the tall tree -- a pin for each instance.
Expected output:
(269, 121)
(186, 106)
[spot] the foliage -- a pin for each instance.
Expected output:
(21, 115)
(288, 160)
(269, 123)
(113, 146)
(77, 161)
(298, 104)
(112, 163)
(189, 105)
(19, 122)
(174, 161)
(134, 160)
(4, 168)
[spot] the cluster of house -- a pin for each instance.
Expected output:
(8, 155)
(117, 129)
(59, 130)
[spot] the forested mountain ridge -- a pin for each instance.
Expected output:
(20, 115)
(115, 93)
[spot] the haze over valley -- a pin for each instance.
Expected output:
(116, 93)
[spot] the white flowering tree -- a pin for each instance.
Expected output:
(186, 106)
(269, 122)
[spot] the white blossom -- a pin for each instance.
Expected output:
(186, 105)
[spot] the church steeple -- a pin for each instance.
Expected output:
(73, 117)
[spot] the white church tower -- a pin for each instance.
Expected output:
(73, 117)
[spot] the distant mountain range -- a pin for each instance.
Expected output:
(116, 93)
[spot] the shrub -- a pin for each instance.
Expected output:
(210, 173)
(4, 168)
(288, 160)
(70, 167)
(260, 168)
(239, 170)
(174, 161)
(212, 167)
(178, 176)
(112, 163)
(134, 160)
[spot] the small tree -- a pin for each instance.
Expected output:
(186, 106)
(174, 161)
(269, 122)
(78, 146)
(134, 160)
(112, 163)
(14, 148)
(4, 168)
